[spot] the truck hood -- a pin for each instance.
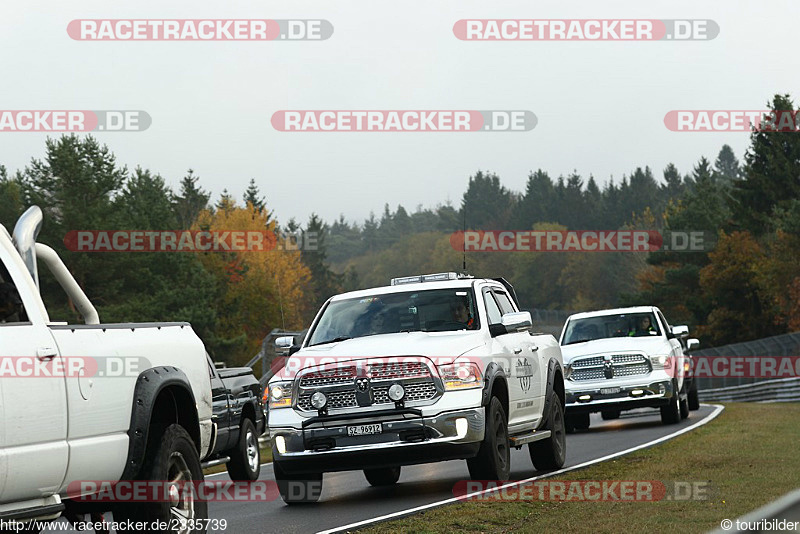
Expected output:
(648, 345)
(439, 346)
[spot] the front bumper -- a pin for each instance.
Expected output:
(618, 396)
(407, 438)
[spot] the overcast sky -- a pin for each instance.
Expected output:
(600, 105)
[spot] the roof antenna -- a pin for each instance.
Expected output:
(464, 241)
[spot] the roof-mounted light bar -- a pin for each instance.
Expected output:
(436, 277)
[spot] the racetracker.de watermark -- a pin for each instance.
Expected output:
(579, 241)
(49, 365)
(745, 367)
(732, 120)
(169, 491)
(582, 490)
(585, 29)
(41, 120)
(188, 241)
(404, 120)
(200, 29)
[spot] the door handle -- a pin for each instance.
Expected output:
(534, 348)
(517, 350)
(46, 353)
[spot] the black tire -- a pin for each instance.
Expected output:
(683, 405)
(168, 458)
(386, 476)
(609, 415)
(245, 464)
(694, 398)
(493, 461)
(578, 421)
(297, 489)
(671, 413)
(550, 453)
(569, 424)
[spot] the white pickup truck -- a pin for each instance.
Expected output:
(626, 358)
(92, 402)
(431, 368)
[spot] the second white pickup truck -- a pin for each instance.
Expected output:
(431, 368)
(92, 402)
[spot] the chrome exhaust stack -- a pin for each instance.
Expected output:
(25, 233)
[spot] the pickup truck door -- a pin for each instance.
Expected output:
(511, 352)
(528, 374)
(220, 409)
(33, 400)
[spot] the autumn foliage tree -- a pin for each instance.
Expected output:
(263, 289)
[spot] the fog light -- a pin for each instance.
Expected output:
(319, 400)
(396, 392)
(584, 398)
(637, 392)
(280, 444)
(461, 427)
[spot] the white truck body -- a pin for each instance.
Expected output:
(74, 425)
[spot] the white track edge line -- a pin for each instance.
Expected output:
(718, 408)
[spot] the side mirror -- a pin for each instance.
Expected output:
(692, 344)
(681, 331)
(517, 321)
(284, 343)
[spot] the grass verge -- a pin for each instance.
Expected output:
(747, 456)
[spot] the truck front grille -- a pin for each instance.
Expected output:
(610, 366)
(339, 385)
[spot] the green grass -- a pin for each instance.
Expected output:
(748, 455)
(266, 457)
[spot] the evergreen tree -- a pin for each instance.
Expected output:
(190, 202)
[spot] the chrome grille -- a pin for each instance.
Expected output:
(339, 385)
(338, 399)
(332, 377)
(388, 371)
(588, 362)
(414, 392)
(624, 365)
(628, 358)
(632, 370)
(588, 374)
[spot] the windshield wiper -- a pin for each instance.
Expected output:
(334, 340)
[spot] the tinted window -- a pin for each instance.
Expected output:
(505, 303)
(433, 310)
(11, 307)
(492, 310)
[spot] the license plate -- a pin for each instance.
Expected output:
(364, 430)
(609, 391)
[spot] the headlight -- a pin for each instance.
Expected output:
(658, 360)
(464, 375)
(567, 371)
(280, 395)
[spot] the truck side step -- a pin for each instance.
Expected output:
(218, 461)
(519, 441)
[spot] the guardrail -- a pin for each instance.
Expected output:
(776, 346)
(778, 390)
(768, 518)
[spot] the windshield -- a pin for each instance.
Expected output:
(605, 326)
(436, 310)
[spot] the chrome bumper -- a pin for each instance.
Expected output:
(406, 438)
(651, 393)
